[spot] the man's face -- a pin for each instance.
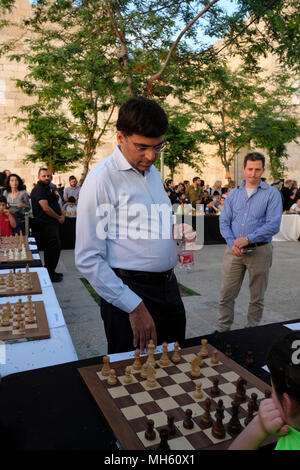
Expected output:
(253, 172)
(141, 152)
(45, 177)
(198, 182)
(73, 182)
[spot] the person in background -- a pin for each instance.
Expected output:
(7, 221)
(72, 190)
(70, 208)
(18, 201)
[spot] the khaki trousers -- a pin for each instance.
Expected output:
(258, 264)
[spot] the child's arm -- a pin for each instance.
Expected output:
(268, 421)
(12, 220)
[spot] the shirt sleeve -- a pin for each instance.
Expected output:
(225, 220)
(91, 248)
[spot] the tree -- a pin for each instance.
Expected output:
(236, 110)
(85, 58)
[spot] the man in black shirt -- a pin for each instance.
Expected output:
(47, 217)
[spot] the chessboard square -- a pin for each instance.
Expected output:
(134, 387)
(196, 409)
(146, 387)
(184, 399)
(180, 443)
(165, 381)
(132, 412)
(208, 371)
(159, 419)
(260, 395)
(188, 357)
(150, 408)
(199, 440)
(187, 432)
(124, 402)
(231, 376)
(184, 367)
(228, 388)
(204, 396)
(166, 403)
(173, 390)
(142, 397)
(146, 442)
(118, 392)
(208, 433)
(158, 393)
(179, 378)
(160, 373)
(206, 383)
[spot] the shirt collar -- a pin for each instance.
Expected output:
(122, 164)
(261, 185)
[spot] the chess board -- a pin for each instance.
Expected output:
(127, 408)
(19, 286)
(35, 331)
(11, 251)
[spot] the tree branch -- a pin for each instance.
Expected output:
(175, 43)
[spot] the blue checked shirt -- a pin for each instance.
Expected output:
(256, 217)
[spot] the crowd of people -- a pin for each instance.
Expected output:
(187, 195)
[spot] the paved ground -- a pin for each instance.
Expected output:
(282, 300)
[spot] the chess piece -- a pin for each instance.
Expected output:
(128, 377)
(195, 366)
(112, 379)
(164, 359)
(150, 350)
(137, 365)
(151, 382)
(250, 414)
(240, 395)
(254, 399)
(204, 351)
(106, 367)
(163, 445)
(188, 422)
(215, 391)
(218, 430)
(249, 359)
(171, 426)
(198, 393)
(214, 359)
(206, 420)
(234, 426)
(176, 355)
(268, 393)
(228, 350)
(150, 434)
(144, 370)
(199, 354)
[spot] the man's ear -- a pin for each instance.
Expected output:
(287, 405)
(120, 137)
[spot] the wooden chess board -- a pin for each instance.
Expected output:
(127, 408)
(19, 286)
(35, 331)
(11, 251)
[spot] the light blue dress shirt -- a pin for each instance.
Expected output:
(124, 220)
(256, 217)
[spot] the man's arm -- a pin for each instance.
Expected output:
(49, 211)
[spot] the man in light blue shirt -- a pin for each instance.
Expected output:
(250, 217)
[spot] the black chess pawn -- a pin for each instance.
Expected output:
(206, 419)
(215, 391)
(234, 426)
(150, 434)
(228, 350)
(249, 359)
(163, 445)
(250, 414)
(171, 426)
(188, 422)
(240, 395)
(254, 399)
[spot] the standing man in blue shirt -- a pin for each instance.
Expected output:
(250, 217)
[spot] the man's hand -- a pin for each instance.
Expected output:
(241, 242)
(143, 327)
(237, 251)
(61, 219)
(271, 419)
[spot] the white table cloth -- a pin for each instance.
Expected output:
(289, 228)
(27, 355)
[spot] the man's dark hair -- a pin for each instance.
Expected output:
(195, 178)
(3, 199)
(42, 169)
(71, 199)
(253, 157)
(142, 116)
(72, 178)
(285, 372)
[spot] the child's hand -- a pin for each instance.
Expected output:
(271, 419)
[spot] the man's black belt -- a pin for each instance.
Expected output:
(252, 245)
(144, 275)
